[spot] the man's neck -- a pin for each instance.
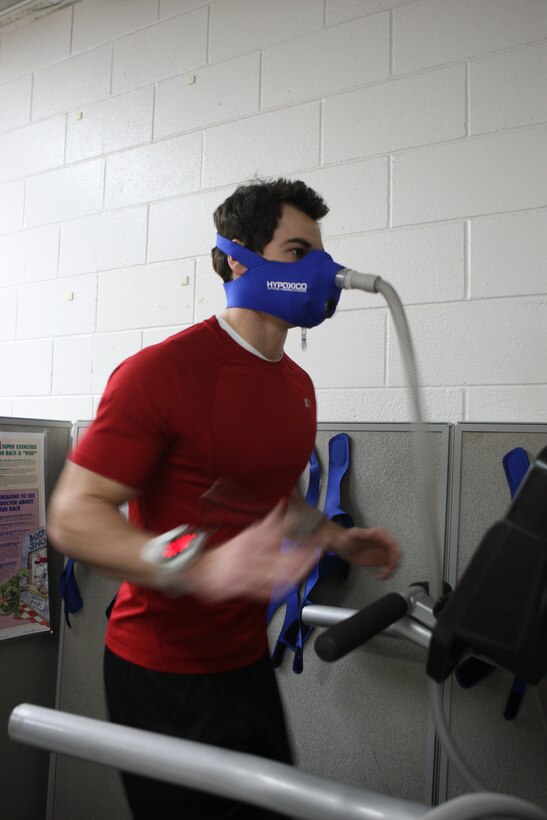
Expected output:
(265, 333)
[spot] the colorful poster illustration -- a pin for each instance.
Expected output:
(24, 588)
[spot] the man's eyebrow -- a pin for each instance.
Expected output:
(299, 240)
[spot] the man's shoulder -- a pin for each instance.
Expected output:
(202, 334)
(195, 341)
(297, 370)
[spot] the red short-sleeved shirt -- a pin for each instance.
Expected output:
(174, 419)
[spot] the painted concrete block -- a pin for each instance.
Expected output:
(155, 335)
(109, 350)
(388, 404)
(112, 239)
(501, 172)
(32, 149)
(424, 264)
(119, 122)
(210, 296)
(66, 193)
(65, 408)
(508, 255)
(9, 313)
(484, 342)
(356, 193)
(12, 204)
(29, 256)
(384, 117)
(163, 169)
(328, 60)
(25, 368)
(333, 355)
(147, 296)
(244, 25)
(78, 81)
(59, 307)
(15, 103)
(507, 90)
(72, 365)
(100, 21)
(514, 403)
(220, 92)
(184, 227)
(160, 51)
(36, 45)
(338, 11)
(285, 141)
(430, 32)
(170, 8)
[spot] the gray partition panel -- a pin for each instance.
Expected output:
(364, 720)
(29, 664)
(81, 789)
(509, 756)
(78, 788)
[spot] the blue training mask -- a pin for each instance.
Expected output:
(302, 293)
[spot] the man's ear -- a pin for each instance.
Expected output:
(236, 267)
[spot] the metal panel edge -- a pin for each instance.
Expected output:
(52, 773)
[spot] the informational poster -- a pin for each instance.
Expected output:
(24, 588)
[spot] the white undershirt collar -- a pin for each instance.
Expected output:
(241, 341)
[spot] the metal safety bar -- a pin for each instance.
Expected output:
(416, 626)
(222, 772)
(230, 774)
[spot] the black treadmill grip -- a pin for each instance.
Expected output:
(347, 635)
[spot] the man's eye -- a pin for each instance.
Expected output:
(298, 253)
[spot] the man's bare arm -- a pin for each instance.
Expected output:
(84, 523)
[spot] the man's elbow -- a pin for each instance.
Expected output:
(58, 522)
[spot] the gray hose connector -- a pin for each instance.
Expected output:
(347, 279)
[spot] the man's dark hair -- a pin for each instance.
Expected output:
(252, 212)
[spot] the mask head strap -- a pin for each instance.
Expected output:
(243, 255)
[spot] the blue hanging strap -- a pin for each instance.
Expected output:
(312, 497)
(339, 459)
(288, 635)
(515, 463)
(68, 587)
(70, 593)
(330, 564)
(338, 467)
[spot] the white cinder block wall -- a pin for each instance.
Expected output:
(125, 122)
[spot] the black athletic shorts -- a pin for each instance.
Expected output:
(239, 710)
